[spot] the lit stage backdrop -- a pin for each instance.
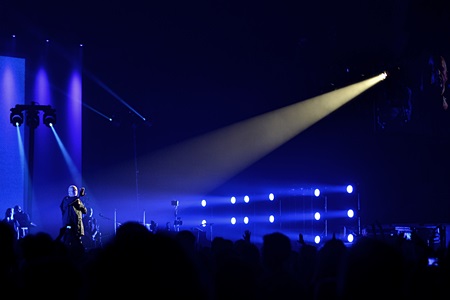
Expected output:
(40, 160)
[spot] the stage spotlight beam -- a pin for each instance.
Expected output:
(203, 163)
(97, 112)
(117, 97)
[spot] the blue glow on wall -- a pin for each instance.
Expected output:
(12, 86)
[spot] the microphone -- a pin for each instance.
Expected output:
(82, 192)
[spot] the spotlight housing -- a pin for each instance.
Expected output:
(33, 118)
(49, 117)
(16, 116)
(32, 115)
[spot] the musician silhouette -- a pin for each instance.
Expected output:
(72, 210)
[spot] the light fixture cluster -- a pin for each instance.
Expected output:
(308, 211)
(32, 115)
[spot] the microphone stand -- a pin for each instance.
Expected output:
(115, 220)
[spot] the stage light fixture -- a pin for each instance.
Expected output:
(349, 189)
(317, 239)
(350, 238)
(317, 216)
(317, 192)
(33, 118)
(32, 115)
(49, 117)
(350, 213)
(16, 117)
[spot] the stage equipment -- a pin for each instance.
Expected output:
(32, 120)
(32, 115)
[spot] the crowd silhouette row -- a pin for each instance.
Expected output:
(137, 262)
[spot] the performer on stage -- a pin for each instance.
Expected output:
(24, 220)
(92, 236)
(72, 210)
(11, 221)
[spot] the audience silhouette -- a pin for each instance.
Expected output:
(137, 262)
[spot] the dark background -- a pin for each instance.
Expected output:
(195, 66)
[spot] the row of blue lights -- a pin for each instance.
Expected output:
(271, 218)
(271, 196)
(350, 237)
(318, 216)
(350, 214)
(246, 220)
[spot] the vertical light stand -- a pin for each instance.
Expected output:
(326, 215)
(115, 221)
(359, 217)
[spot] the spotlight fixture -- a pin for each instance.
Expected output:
(16, 117)
(33, 118)
(32, 115)
(49, 117)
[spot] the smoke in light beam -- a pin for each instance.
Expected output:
(198, 165)
(97, 112)
(21, 150)
(112, 93)
(70, 164)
